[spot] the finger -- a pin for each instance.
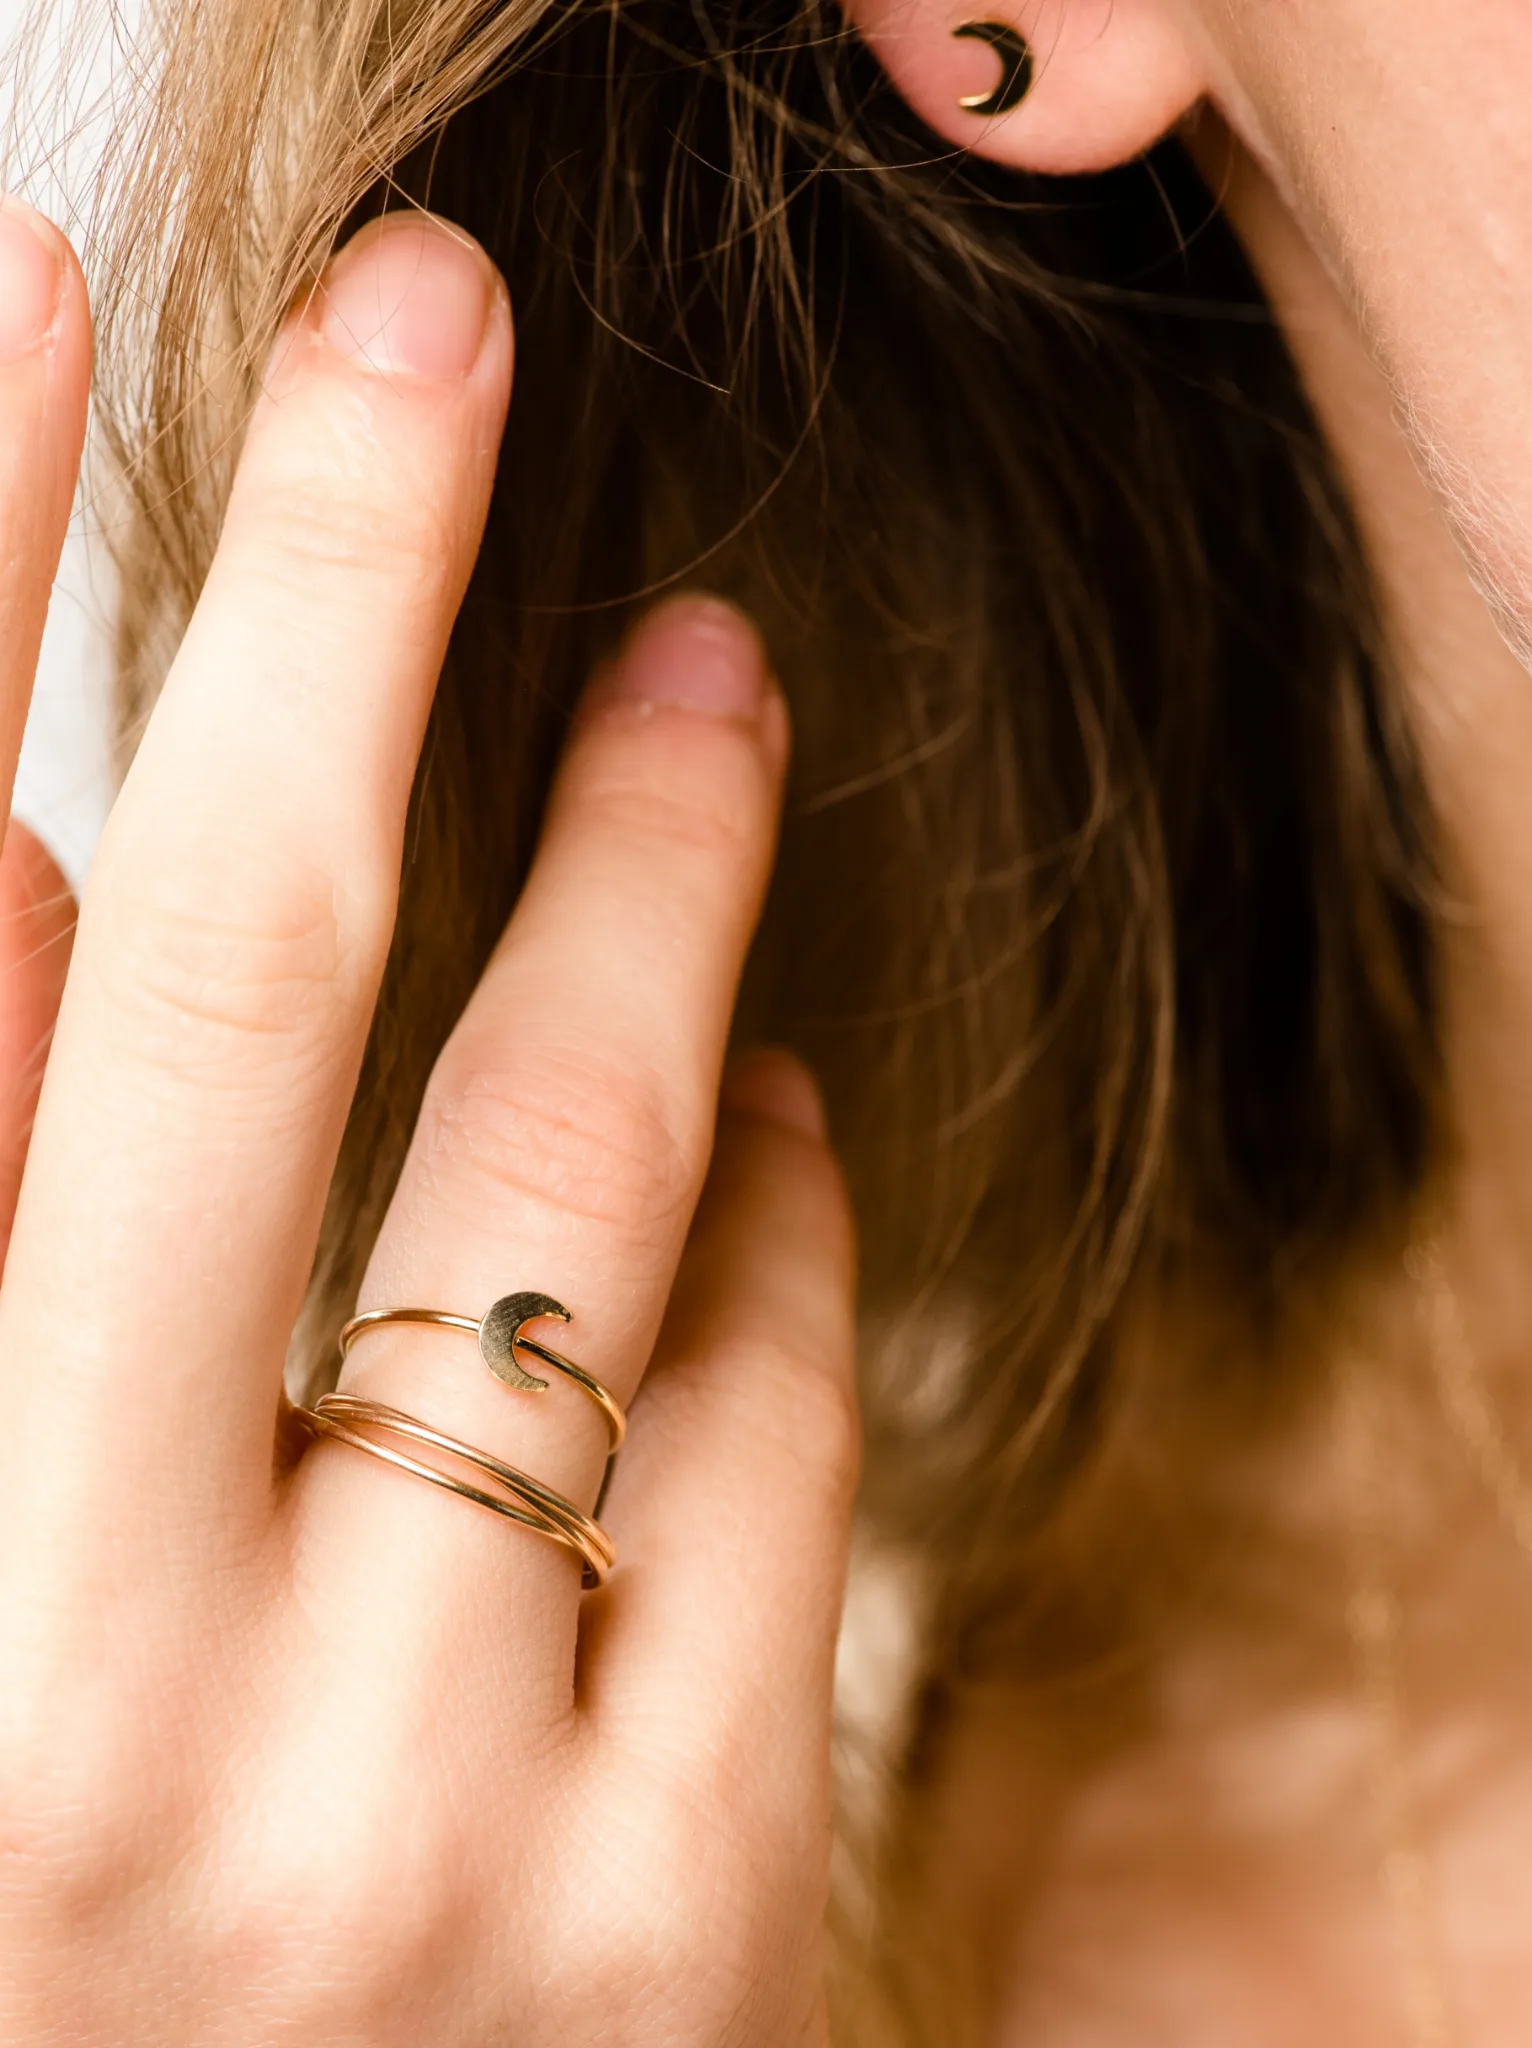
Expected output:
(567, 1128)
(239, 909)
(37, 919)
(44, 385)
(732, 1504)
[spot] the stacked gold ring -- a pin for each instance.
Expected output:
(346, 1418)
(350, 1419)
(500, 1338)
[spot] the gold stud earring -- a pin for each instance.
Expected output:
(1015, 57)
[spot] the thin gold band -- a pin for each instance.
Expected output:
(346, 1418)
(499, 1335)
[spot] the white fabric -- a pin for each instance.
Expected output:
(63, 782)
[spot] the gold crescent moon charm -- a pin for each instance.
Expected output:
(1015, 56)
(501, 1329)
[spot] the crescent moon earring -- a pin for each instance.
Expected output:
(1015, 57)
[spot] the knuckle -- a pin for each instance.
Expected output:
(699, 1866)
(677, 820)
(81, 1794)
(329, 546)
(792, 1399)
(801, 1406)
(686, 786)
(821, 1419)
(203, 958)
(348, 1873)
(338, 516)
(585, 1137)
(360, 1874)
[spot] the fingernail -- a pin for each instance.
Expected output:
(773, 1085)
(31, 275)
(697, 652)
(409, 296)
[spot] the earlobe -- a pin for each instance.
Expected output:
(1055, 86)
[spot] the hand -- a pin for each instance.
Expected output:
(333, 1756)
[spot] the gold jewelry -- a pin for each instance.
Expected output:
(1016, 68)
(347, 1418)
(499, 1334)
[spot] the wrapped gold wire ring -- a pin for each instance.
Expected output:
(348, 1419)
(500, 1339)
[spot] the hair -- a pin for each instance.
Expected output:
(1099, 908)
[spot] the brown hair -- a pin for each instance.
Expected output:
(1098, 907)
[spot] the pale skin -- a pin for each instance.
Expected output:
(1220, 1878)
(317, 1756)
(324, 1756)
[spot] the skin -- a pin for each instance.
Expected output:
(1226, 1914)
(323, 1754)
(276, 1753)
(1219, 1874)
(1377, 163)
(1397, 138)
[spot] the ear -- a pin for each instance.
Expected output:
(1109, 77)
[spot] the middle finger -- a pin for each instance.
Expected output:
(567, 1128)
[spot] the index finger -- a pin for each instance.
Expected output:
(239, 911)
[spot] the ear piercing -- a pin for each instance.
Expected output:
(1015, 68)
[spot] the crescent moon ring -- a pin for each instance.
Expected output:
(500, 1335)
(1015, 56)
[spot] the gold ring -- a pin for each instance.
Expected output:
(499, 1334)
(347, 1418)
